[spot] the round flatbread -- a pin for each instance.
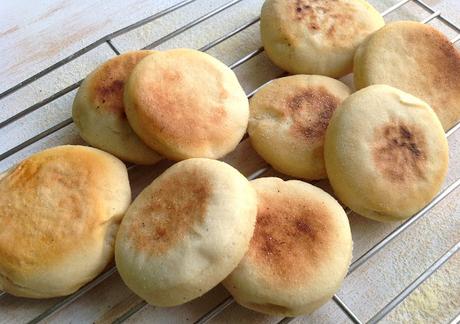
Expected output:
(59, 213)
(316, 37)
(300, 251)
(386, 153)
(186, 231)
(288, 120)
(99, 113)
(184, 103)
(415, 58)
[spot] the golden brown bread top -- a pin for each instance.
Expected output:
(293, 233)
(332, 21)
(106, 83)
(55, 202)
(311, 108)
(415, 58)
(399, 151)
(440, 60)
(185, 103)
(305, 102)
(174, 208)
(386, 153)
(163, 102)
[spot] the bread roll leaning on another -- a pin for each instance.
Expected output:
(415, 58)
(316, 37)
(386, 153)
(288, 120)
(99, 113)
(186, 231)
(300, 251)
(184, 103)
(59, 214)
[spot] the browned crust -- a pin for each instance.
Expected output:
(45, 207)
(431, 66)
(311, 108)
(106, 84)
(184, 103)
(399, 152)
(175, 115)
(324, 17)
(175, 205)
(292, 235)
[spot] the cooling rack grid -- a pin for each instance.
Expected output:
(430, 15)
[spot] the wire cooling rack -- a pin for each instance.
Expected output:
(432, 14)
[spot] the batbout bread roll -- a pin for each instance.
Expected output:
(415, 58)
(184, 103)
(59, 213)
(186, 231)
(300, 251)
(99, 113)
(288, 120)
(316, 37)
(386, 153)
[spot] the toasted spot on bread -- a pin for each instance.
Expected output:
(287, 229)
(415, 58)
(399, 152)
(185, 103)
(311, 109)
(50, 201)
(324, 16)
(175, 207)
(107, 82)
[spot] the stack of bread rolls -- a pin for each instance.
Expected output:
(279, 247)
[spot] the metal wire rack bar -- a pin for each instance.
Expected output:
(246, 58)
(366, 256)
(228, 301)
(431, 17)
(191, 24)
(109, 42)
(401, 228)
(230, 34)
(68, 300)
(361, 260)
(40, 104)
(60, 305)
(346, 310)
(61, 93)
(394, 7)
(216, 310)
(444, 19)
(142, 304)
(94, 45)
(151, 46)
(342, 306)
(36, 138)
(417, 282)
(130, 312)
(455, 320)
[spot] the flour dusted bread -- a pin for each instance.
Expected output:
(316, 37)
(99, 113)
(300, 251)
(184, 103)
(415, 58)
(59, 213)
(288, 120)
(186, 231)
(386, 153)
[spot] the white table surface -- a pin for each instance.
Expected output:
(34, 35)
